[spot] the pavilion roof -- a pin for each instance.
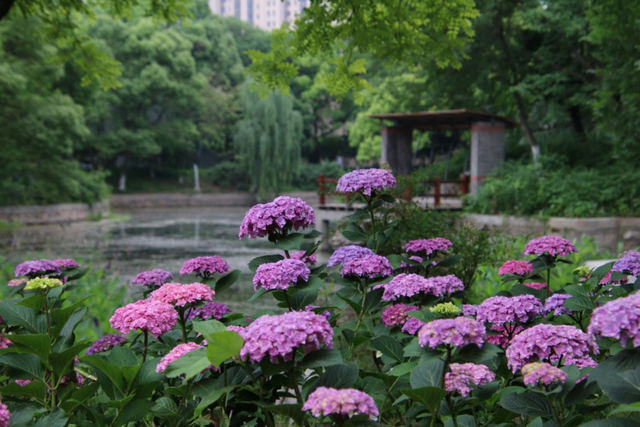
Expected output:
(443, 119)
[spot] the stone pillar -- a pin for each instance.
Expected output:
(487, 151)
(397, 149)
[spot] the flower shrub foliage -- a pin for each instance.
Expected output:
(383, 348)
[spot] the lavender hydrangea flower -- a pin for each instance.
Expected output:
(366, 181)
(37, 268)
(66, 263)
(518, 268)
(180, 295)
(500, 310)
(106, 343)
(152, 278)
(397, 314)
(326, 401)
(284, 213)
(504, 334)
(348, 253)
(555, 304)
(550, 245)
(310, 260)
(280, 275)
(149, 315)
(412, 325)
(463, 375)
(470, 310)
(176, 353)
(543, 373)
(619, 319)
(5, 415)
(205, 266)
(553, 344)
(211, 310)
(428, 246)
(444, 285)
(456, 332)
(278, 337)
(629, 263)
(409, 285)
(368, 266)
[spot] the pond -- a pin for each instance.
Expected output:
(143, 239)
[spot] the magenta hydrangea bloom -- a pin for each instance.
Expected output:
(150, 315)
(205, 266)
(180, 295)
(5, 342)
(555, 304)
(176, 353)
(348, 253)
(37, 268)
(629, 263)
(368, 266)
(152, 278)
(619, 319)
(537, 286)
(463, 375)
(500, 310)
(16, 282)
(397, 314)
(543, 373)
(279, 336)
(504, 335)
(365, 181)
(284, 213)
(428, 246)
(412, 325)
(5, 415)
(551, 245)
(325, 401)
(456, 332)
(66, 263)
(552, 344)
(211, 310)
(280, 275)
(310, 260)
(518, 268)
(106, 343)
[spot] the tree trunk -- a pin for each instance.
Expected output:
(122, 183)
(196, 177)
(576, 120)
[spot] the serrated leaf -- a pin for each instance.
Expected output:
(322, 359)
(354, 233)
(430, 397)
(612, 422)
(35, 389)
(133, 412)
(402, 369)
(313, 234)
(189, 365)
(226, 281)
(427, 374)
(526, 403)
(257, 262)
(303, 298)
(579, 303)
(425, 316)
(55, 418)
(222, 346)
(29, 363)
(389, 347)
(466, 421)
(338, 376)
(212, 398)
(209, 327)
(290, 242)
(38, 344)
(16, 315)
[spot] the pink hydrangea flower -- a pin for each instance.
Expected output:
(553, 344)
(551, 245)
(278, 337)
(14, 283)
(412, 325)
(152, 278)
(325, 401)
(456, 332)
(348, 253)
(310, 260)
(153, 316)
(543, 373)
(619, 319)
(555, 304)
(66, 263)
(284, 213)
(205, 266)
(5, 342)
(368, 266)
(37, 268)
(210, 310)
(504, 335)
(5, 415)
(500, 310)
(397, 314)
(518, 268)
(280, 275)
(365, 181)
(428, 246)
(537, 285)
(176, 353)
(463, 375)
(180, 295)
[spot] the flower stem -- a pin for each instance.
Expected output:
(183, 324)
(373, 224)
(146, 342)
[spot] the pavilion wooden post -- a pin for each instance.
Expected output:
(397, 149)
(322, 189)
(436, 192)
(487, 150)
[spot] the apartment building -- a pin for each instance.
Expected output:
(265, 14)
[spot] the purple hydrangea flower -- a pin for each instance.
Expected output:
(205, 266)
(66, 263)
(279, 336)
(5, 415)
(456, 332)
(37, 268)
(176, 353)
(619, 319)
(325, 401)
(412, 325)
(629, 263)
(153, 278)
(179, 294)
(543, 373)
(553, 344)
(106, 343)
(397, 314)
(551, 245)
(348, 253)
(428, 246)
(470, 310)
(211, 310)
(284, 213)
(463, 375)
(149, 315)
(325, 313)
(310, 260)
(409, 285)
(366, 181)
(555, 304)
(444, 285)
(504, 335)
(368, 266)
(280, 275)
(500, 310)
(518, 268)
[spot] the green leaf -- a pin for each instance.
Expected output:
(430, 397)
(450, 261)
(209, 327)
(338, 376)
(622, 387)
(354, 233)
(79, 396)
(147, 374)
(388, 198)
(425, 316)
(322, 359)
(23, 417)
(35, 302)
(29, 363)
(526, 403)
(222, 346)
(290, 242)
(16, 315)
(226, 281)
(427, 374)
(133, 412)
(212, 398)
(488, 352)
(293, 411)
(389, 347)
(189, 365)
(372, 300)
(122, 356)
(112, 372)
(313, 234)
(62, 362)
(576, 290)
(38, 344)
(164, 407)
(402, 369)
(354, 305)
(464, 421)
(579, 303)
(55, 418)
(257, 262)
(35, 389)
(612, 422)
(257, 294)
(303, 298)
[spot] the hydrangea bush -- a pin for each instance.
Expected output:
(372, 338)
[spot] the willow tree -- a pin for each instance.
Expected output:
(267, 141)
